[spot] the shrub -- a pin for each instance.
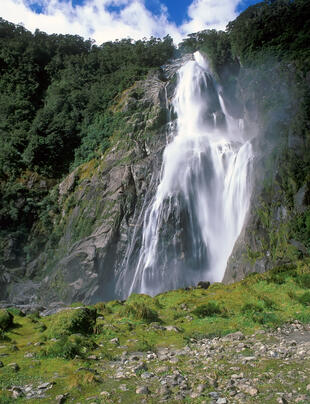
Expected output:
(207, 310)
(157, 303)
(305, 299)
(140, 311)
(102, 308)
(16, 312)
(177, 315)
(40, 327)
(249, 308)
(304, 281)
(113, 306)
(269, 303)
(67, 347)
(34, 317)
(266, 318)
(72, 321)
(257, 313)
(64, 348)
(143, 345)
(6, 398)
(278, 279)
(292, 295)
(6, 320)
(279, 275)
(303, 317)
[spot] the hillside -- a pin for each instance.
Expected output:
(243, 343)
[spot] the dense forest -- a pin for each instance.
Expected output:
(57, 93)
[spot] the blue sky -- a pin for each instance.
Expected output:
(176, 8)
(105, 20)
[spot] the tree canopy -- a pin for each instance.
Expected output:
(56, 91)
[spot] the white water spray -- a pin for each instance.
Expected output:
(197, 213)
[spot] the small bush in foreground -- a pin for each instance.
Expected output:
(68, 347)
(268, 303)
(266, 318)
(304, 281)
(6, 320)
(144, 345)
(81, 320)
(207, 310)
(305, 299)
(6, 398)
(258, 315)
(140, 311)
(249, 308)
(16, 312)
(64, 348)
(303, 317)
(279, 275)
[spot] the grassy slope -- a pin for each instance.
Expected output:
(259, 301)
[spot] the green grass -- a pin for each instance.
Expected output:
(304, 299)
(260, 301)
(207, 310)
(140, 308)
(71, 321)
(304, 281)
(68, 347)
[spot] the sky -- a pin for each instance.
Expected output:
(105, 20)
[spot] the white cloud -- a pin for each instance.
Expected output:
(95, 20)
(210, 14)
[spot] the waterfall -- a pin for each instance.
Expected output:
(193, 221)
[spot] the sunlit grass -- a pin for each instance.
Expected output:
(260, 301)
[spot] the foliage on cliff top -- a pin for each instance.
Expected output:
(270, 30)
(276, 27)
(56, 93)
(55, 87)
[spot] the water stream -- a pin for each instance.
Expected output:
(194, 219)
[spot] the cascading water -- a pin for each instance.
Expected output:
(191, 224)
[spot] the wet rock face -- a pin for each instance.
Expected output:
(280, 190)
(115, 194)
(100, 206)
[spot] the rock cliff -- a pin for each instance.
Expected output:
(275, 233)
(100, 205)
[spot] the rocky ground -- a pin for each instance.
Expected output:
(248, 342)
(264, 367)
